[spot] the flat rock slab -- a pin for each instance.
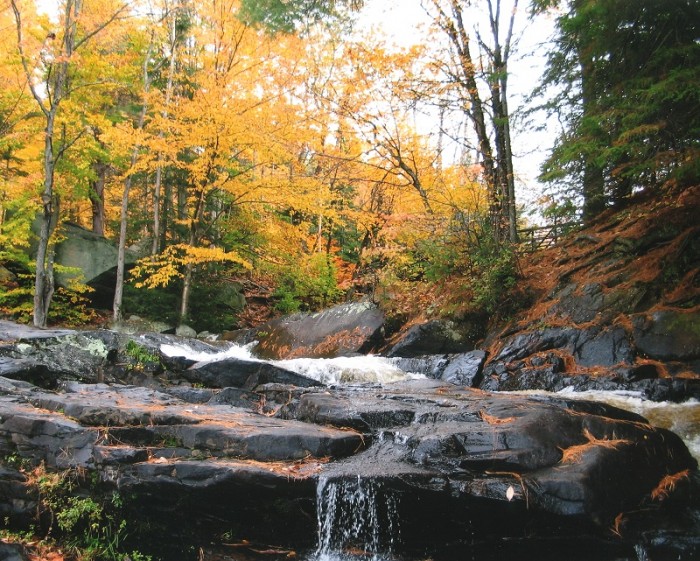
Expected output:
(11, 331)
(64, 428)
(564, 457)
(439, 449)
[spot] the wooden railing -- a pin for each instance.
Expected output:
(542, 237)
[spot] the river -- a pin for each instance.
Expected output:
(681, 418)
(358, 509)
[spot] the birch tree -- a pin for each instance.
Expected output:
(50, 90)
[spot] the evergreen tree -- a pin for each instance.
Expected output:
(626, 73)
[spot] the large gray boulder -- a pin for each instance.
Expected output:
(88, 253)
(343, 330)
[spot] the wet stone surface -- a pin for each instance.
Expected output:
(249, 451)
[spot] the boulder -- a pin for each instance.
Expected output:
(432, 337)
(18, 499)
(464, 369)
(344, 330)
(13, 332)
(244, 374)
(11, 552)
(183, 330)
(7, 277)
(134, 325)
(89, 253)
(47, 356)
(669, 334)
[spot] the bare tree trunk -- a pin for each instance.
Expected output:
(186, 290)
(121, 254)
(49, 105)
(454, 28)
(157, 226)
(193, 240)
(496, 158)
(499, 56)
(97, 198)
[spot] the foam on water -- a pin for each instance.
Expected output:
(233, 351)
(329, 371)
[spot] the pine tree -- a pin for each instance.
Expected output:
(627, 74)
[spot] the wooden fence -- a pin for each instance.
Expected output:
(541, 237)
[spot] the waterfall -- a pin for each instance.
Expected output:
(356, 517)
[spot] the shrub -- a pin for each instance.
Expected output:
(312, 286)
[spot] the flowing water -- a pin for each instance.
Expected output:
(329, 371)
(681, 418)
(357, 516)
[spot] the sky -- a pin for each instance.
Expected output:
(401, 21)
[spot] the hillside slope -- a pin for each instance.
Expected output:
(620, 298)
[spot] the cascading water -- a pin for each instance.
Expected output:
(356, 516)
(682, 418)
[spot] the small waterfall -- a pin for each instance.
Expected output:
(357, 517)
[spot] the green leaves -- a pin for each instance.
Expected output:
(633, 67)
(285, 16)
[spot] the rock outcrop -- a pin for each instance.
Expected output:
(245, 449)
(88, 255)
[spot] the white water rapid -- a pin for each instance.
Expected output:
(681, 418)
(329, 371)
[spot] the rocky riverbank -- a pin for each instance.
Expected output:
(214, 452)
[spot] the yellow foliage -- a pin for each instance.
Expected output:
(161, 269)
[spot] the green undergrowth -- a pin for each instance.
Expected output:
(75, 515)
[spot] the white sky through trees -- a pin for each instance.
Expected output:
(403, 23)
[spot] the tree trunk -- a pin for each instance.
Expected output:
(97, 198)
(157, 222)
(186, 290)
(57, 90)
(121, 253)
(593, 177)
(456, 32)
(57, 86)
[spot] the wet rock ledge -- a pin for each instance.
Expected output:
(237, 448)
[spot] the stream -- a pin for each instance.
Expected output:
(357, 519)
(682, 418)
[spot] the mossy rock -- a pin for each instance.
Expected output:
(668, 334)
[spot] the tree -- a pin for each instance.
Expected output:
(286, 15)
(487, 108)
(56, 63)
(19, 125)
(625, 73)
(117, 304)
